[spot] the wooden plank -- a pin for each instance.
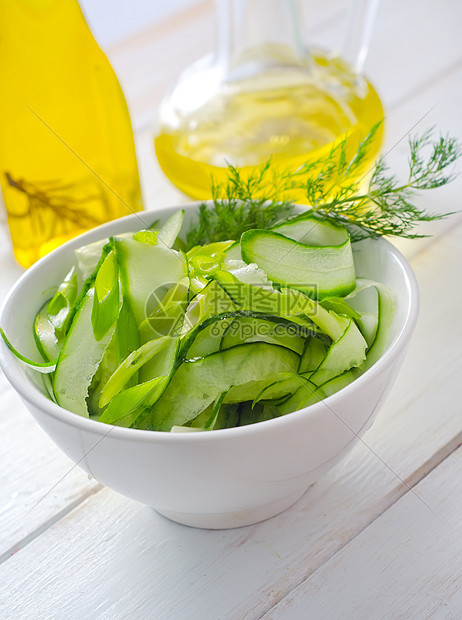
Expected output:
(260, 569)
(30, 462)
(134, 563)
(31, 465)
(437, 106)
(413, 47)
(407, 564)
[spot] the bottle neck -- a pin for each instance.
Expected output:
(259, 35)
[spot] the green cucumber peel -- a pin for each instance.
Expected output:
(79, 359)
(171, 229)
(168, 317)
(313, 355)
(61, 304)
(340, 306)
(166, 235)
(288, 303)
(106, 302)
(287, 385)
(127, 406)
(197, 384)
(131, 364)
(212, 250)
(147, 272)
(210, 424)
(380, 337)
(320, 272)
(346, 352)
(299, 328)
(247, 329)
(46, 340)
(146, 236)
(312, 230)
(43, 367)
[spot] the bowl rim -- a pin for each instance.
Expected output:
(36, 398)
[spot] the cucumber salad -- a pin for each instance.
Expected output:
(144, 334)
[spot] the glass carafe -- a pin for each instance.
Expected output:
(265, 93)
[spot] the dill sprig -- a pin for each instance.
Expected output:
(242, 203)
(335, 188)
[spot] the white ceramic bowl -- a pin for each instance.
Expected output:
(224, 478)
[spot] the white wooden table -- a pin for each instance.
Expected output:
(381, 535)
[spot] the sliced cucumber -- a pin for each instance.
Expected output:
(130, 365)
(148, 272)
(289, 304)
(234, 251)
(274, 391)
(53, 319)
(79, 359)
(314, 231)
(348, 351)
(106, 304)
(127, 406)
(171, 229)
(197, 384)
(168, 326)
(167, 318)
(251, 329)
(316, 271)
(88, 256)
(62, 303)
(307, 394)
(43, 367)
(161, 340)
(212, 301)
(376, 327)
(208, 339)
(45, 336)
(219, 248)
(251, 390)
(251, 274)
(313, 355)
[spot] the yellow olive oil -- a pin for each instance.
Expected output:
(290, 120)
(67, 155)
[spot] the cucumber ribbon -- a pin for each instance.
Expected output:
(229, 333)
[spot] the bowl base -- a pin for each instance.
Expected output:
(227, 520)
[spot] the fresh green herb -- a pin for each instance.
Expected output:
(333, 187)
(241, 204)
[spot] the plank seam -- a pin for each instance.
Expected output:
(411, 481)
(457, 221)
(423, 86)
(48, 523)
